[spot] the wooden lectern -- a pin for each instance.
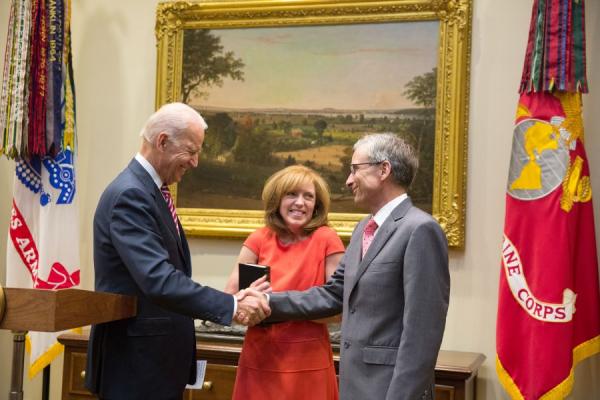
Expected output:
(23, 310)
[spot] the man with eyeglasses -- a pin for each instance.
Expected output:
(392, 284)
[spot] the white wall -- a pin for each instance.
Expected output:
(115, 65)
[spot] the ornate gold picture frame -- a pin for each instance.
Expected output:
(449, 158)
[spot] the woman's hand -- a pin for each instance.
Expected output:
(262, 285)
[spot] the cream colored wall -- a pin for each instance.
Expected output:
(114, 61)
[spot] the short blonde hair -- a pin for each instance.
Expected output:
(285, 180)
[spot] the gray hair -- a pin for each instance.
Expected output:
(173, 119)
(389, 147)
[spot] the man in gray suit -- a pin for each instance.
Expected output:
(394, 297)
(140, 250)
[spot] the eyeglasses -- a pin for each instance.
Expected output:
(354, 167)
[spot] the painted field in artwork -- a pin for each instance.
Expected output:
(273, 97)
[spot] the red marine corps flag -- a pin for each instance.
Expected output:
(549, 303)
(37, 124)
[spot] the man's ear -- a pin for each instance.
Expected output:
(161, 140)
(386, 169)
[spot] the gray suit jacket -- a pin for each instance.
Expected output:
(394, 304)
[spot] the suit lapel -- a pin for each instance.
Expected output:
(355, 247)
(164, 213)
(186, 253)
(384, 232)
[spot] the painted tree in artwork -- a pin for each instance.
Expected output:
(320, 126)
(420, 130)
(422, 89)
(206, 63)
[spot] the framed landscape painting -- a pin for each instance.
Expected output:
(298, 82)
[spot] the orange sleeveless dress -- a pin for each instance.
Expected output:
(289, 360)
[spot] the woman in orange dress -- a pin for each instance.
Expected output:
(290, 360)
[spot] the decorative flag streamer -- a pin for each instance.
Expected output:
(555, 56)
(37, 122)
(13, 100)
(549, 302)
(38, 79)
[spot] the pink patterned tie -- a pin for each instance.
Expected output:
(368, 235)
(169, 199)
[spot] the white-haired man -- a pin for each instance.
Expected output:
(140, 249)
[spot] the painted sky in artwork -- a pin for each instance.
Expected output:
(351, 67)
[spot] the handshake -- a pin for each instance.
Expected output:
(252, 307)
(252, 303)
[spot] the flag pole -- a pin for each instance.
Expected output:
(18, 361)
(46, 383)
(2, 302)
(16, 381)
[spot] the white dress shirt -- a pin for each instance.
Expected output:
(386, 210)
(150, 169)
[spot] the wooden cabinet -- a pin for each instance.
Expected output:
(455, 372)
(74, 372)
(218, 384)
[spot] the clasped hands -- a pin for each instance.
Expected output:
(252, 303)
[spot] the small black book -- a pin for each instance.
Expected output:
(248, 273)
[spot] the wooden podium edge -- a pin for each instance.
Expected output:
(26, 309)
(59, 310)
(2, 303)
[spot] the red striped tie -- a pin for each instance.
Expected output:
(169, 199)
(368, 235)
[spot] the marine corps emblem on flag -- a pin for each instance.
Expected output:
(548, 317)
(548, 297)
(540, 163)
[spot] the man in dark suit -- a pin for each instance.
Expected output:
(392, 284)
(140, 249)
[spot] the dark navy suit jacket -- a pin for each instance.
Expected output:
(138, 252)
